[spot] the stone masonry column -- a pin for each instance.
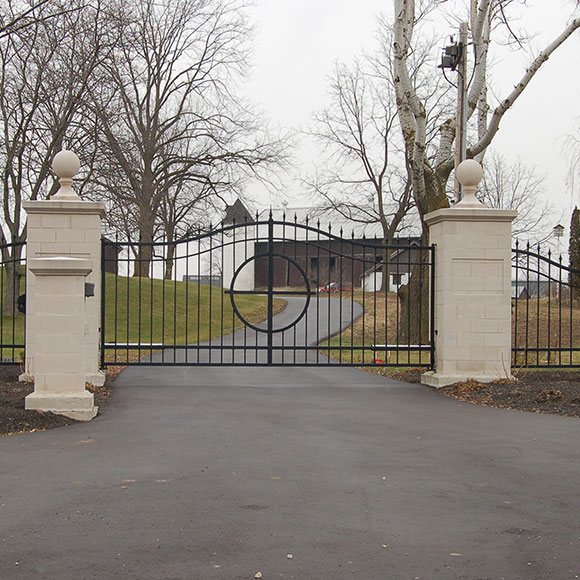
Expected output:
(472, 287)
(62, 317)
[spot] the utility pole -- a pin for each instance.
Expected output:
(461, 125)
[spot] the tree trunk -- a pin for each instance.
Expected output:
(415, 295)
(169, 260)
(12, 275)
(144, 254)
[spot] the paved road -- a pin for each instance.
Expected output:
(220, 473)
(324, 317)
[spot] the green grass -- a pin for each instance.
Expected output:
(174, 313)
(152, 311)
(12, 325)
(378, 326)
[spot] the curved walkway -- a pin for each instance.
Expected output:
(218, 473)
(324, 317)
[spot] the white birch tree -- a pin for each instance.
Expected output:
(432, 163)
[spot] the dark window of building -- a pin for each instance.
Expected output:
(332, 265)
(314, 262)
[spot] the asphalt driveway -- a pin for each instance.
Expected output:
(221, 473)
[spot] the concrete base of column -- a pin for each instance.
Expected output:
(438, 380)
(97, 379)
(78, 406)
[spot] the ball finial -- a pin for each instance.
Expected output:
(469, 173)
(66, 165)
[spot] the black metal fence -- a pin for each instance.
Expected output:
(12, 302)
(292, 294)
(545, 310)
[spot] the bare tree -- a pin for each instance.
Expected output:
(17, 15)
(432, 164)
(44, 75)
(518, 187)
(173, 127)
(362, 176)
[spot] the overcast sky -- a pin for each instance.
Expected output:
(297, 43)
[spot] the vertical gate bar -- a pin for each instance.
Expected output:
(198, 291)
(256, 333)
(570, 334)
(234, 231)
(560, 312)
(538, 270)
(421, 283)
(163, 314)
(527, 303)
(222, 297)
(103, 298)
(364, 315)
(139, 297)
(387, 256)
(352, 267)
(187, 301)
(397, 305)
(317, 284)
(127, 335)
(270, 284)
(174, 276)
(283, 341)
(341, 284)
(307, 269)
(289, 280)
(151, 316)
(515, 298)
(210, 288)
(12, 282)
(328, 315)
(549, 303)
(245, 343)
(432, 315)
(374, 354)
(127, 280)
(2, 285)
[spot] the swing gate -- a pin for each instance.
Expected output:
(267, 292)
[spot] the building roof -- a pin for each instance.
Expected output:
(326, 219)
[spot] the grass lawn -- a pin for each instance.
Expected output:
(11, 326)
(150, 312)
(546, 322)
(377, 327)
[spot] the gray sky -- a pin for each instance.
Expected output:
(298, 41)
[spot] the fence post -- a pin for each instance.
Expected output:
(472, 287)
(63, 310)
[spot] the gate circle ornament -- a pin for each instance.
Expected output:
(270, 292)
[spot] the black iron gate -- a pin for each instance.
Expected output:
(267, 292)
(545, 310)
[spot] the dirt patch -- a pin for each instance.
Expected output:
(552, 392)
(14, 418)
